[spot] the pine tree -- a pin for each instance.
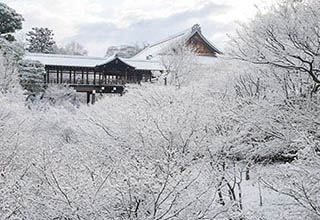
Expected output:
(31, 75)
(40, 40)
(10, 21)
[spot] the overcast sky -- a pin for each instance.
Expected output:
(98, 24)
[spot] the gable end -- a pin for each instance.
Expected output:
(202, 47)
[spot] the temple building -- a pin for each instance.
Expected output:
(206, 51)
(109, 75)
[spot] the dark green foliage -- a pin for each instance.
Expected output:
(40, 40)
(10, 21)
(31, 75)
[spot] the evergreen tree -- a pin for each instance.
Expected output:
(40, 40)
(10, 21)
(31, 76)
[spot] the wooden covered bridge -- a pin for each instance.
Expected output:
(94, 74)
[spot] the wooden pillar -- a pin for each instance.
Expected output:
(48, 77)
(94, 77)
(87, 77)
(58, 76)
(45, 76)
(93, 100)
(74, 76)
(88, 97)
(70, 77)
(82, 77)
(61, 76)
(145, 77)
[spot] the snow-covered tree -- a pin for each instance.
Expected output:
(40, 40)
(72, 48)
(10, 21)
(299, 183)
(180, 62)
(10, 54)
(199, 152)
(286, 37)
(125, 51)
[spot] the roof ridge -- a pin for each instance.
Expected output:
(64, 56)
(155, 49)
(171, 37)
(137, 60)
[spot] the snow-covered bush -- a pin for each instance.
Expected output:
(299, 183)
(59, 95)
(10, 54)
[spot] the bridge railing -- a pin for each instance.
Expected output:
(84, 81)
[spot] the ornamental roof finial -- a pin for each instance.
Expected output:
(196, 27)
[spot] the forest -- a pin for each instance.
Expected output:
(238, 140)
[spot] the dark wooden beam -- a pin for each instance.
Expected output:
(48, 76)
(82, 77)
(58, 76)
(99, 88)
(88, 97)
(61, 74)
(93, 98)
(87, 81)
(94, 77)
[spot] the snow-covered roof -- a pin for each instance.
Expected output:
(87, 61)
(156, 49)
(147, 59)
(65, 60)
(144, 64)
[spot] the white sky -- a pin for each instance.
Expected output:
(98, 24)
